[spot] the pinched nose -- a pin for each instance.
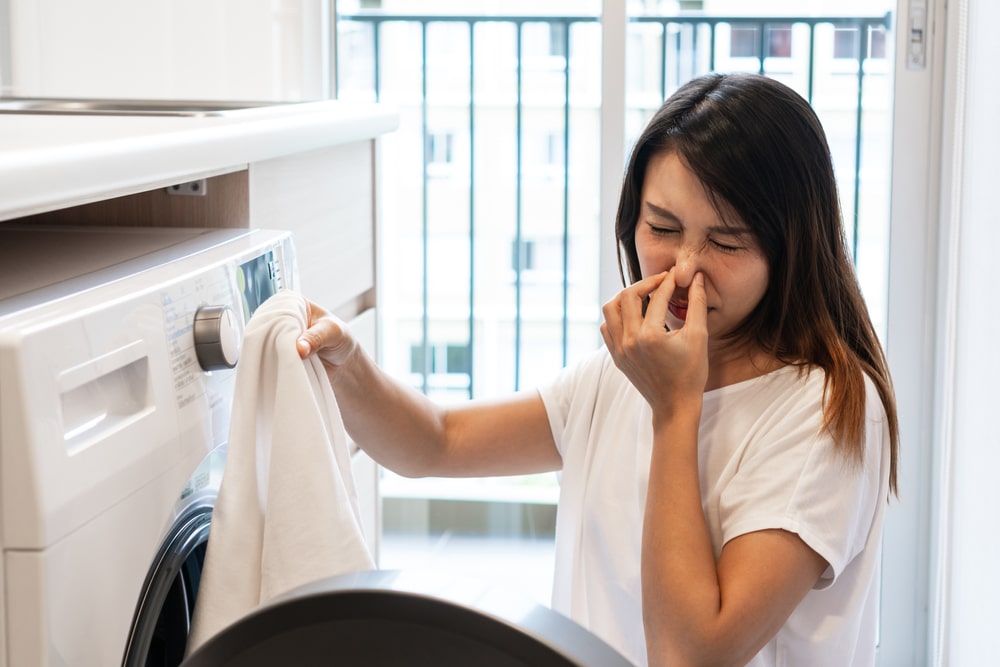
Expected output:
(685, 266)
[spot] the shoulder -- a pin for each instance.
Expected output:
(594, 374)
(584, 393)
(790, 387)
(787, 394)
(787, 472)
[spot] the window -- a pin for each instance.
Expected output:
(779, 41)
(845, 43)
(457, 359)
(543, 152)
(525, 258)
(440, 148)
(542, 259)
(876, 42)
(557, 39)
(443, 359)
(554, 149)
(743, 42)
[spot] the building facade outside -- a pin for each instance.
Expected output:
(490, 205)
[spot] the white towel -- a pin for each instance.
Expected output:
(287, 511)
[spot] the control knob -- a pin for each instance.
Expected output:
(216, 340)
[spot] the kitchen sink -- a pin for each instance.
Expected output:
(115, 107)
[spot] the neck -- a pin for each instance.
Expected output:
(731, 364)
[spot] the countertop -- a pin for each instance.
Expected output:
(55, 161)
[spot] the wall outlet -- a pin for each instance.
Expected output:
(191, 188)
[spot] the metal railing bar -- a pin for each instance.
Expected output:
(377, 46)
(677, 51)
(838, 21)
(663, 61)
(565, 221)
(862, 55)
(472, 206)
(466, 18)
(711, 50)
(710, 20)
(761, 28)
(518, 187)
(425, 347)
(812, 63)
(694, 45)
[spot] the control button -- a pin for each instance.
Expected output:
(216, 340)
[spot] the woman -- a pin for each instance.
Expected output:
(727, 456)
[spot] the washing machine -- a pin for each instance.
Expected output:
(117, 348)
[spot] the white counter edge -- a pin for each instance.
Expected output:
(53, 177)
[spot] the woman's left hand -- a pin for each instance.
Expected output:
(667, 367)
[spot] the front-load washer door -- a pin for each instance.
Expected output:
(383, 618)
(163, 614)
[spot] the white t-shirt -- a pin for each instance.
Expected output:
(763, 463)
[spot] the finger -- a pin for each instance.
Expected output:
(323, 335)
(609, 342)
(312, 339)
(647, 286)
(638, 295)
(611, 329)
(697, 313)
(631, 301)
(307, 344)
(659, 301)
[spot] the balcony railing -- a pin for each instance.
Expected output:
(509, 105)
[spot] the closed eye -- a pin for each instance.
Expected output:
(725, 247)
(662, 231)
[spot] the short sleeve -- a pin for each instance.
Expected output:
(793, 477)
(575, 388)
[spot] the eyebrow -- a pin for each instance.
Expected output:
(661, 212)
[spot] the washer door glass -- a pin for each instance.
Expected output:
(162, 618)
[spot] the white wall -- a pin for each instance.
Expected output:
(941, 596)
(970, 500)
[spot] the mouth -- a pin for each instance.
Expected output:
(678, 309)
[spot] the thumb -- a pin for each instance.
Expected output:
(304, 346)
(326, 337)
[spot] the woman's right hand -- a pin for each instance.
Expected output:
(665, 366)
(325, 335)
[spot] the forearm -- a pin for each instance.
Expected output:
(699, 609)
(681, 593)
(409, 434)
(396, 425)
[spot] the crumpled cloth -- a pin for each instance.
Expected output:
(287, 512)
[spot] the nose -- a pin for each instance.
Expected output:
(686, 265)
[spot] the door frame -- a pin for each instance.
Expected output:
(926, 103)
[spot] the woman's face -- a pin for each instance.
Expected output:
(679, 229)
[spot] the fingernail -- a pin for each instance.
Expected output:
(303, 345)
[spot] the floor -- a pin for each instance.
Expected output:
(518, 564)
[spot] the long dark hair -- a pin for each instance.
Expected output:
(761, 153)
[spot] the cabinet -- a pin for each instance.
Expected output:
(324, 194)
(326, 197)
